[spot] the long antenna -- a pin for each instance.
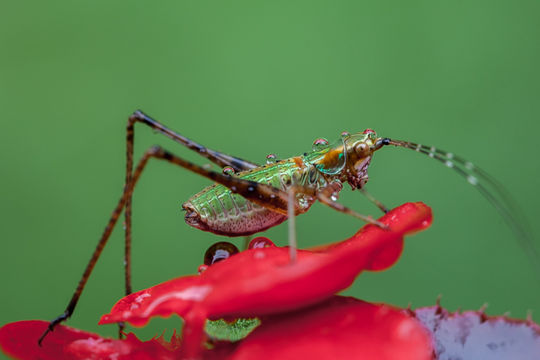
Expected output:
(489, 187)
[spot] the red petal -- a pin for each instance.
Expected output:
(264, 281)
(134, 307)
(340, 328)
(19, 340)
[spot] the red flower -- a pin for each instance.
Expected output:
(19, 340)
(260, 282)
(339, 328)
(263, 281)
(300, 316)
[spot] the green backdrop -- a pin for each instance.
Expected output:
(252, 78)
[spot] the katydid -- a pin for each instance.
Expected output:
(248, 198)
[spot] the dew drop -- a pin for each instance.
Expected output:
(218, 252)
(319, 144)
(228, 170)
(202, 268)
(303, 203)
(271, 158)
(260, 242)
(371, 133)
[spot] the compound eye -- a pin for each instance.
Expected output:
(218, 252)
(360, 149)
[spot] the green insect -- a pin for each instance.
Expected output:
(248, 198)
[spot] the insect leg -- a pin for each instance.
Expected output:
(214, 156)
(326, 200)
(126, 194)
(370, 197)
(265, 195)
(292, 224)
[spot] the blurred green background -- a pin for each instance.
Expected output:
(252, 78)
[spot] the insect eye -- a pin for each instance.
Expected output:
(218, 252)
(360, 148)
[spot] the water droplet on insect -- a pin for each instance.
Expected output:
(345, 134)
(302, 201)
(228, 170)
(260, 242)
(319, 144)
(271, 158)
(334, 197)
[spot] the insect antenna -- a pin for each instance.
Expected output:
(489, 187)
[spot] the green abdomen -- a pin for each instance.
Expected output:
(218, 210)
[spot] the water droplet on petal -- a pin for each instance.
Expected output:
(202, 268)
(260, 242)
(319, 144)
(218, 252)
(228, 170)
(271, 158)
